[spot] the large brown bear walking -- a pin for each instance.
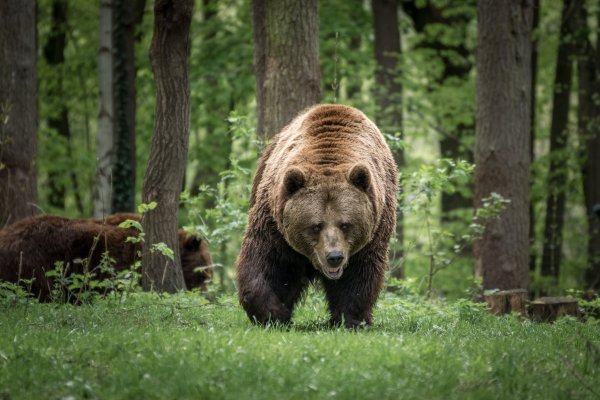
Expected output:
(30, 247)
(323, 205)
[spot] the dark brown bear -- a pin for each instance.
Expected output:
(323, 205)
(30, 247)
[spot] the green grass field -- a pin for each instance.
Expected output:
(184, 347)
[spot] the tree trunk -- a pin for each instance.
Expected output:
(534, 66)
(105, 136)
(127, 15)
(18, 110)
(588, 126)
(389, 90)
(169, 54)
(58, 120)
(557, 172)
(502, 139)
(286, 61)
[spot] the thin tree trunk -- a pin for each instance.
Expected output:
(18, 110)
(534, 74)
(105, 136)
(389, 90)
(169, 54)
(127, 15)
(286, 60)
(502, 139)
(59, 119)
(588, 126)
(557, 172)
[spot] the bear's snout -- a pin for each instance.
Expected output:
(335, 258)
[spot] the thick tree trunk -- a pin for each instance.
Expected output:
(169, 53)
(127, 15)
(388, 91)
(105, 136)
(18, 110)
(502, 139)
(286, 60)
(588, 126)
(557, 172)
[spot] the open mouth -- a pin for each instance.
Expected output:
(334, 273)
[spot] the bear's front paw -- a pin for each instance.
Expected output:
(264, 311)
(349, 322)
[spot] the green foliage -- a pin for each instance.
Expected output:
(224, 222)
(182, 346)
(421, 189)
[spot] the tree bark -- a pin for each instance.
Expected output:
(169, 54)
(105, 136)
(388, 92)
(286, 61)
(502, 139)
(588, 127)
(127, 15)
(557, 171)
(534, 74)
(18, 110)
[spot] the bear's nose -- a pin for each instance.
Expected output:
(335, 258)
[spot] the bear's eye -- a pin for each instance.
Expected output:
(316, 228)
(344, 227)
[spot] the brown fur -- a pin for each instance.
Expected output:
(326, 185)
(30, 247)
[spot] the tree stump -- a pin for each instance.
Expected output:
(549, 309)
(507, 301)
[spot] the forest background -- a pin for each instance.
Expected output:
(436, 70)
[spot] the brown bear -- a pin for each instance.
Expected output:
(323, 206)
(30, 247)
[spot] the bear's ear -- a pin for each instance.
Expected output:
(360, 177)
(293, 181)
(192, 243)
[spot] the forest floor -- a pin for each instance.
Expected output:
(185, 347)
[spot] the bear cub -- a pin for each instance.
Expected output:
(323, 206)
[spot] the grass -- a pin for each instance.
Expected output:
(183, 347)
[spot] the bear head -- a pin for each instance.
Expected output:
(327, 215)
(196, 261)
